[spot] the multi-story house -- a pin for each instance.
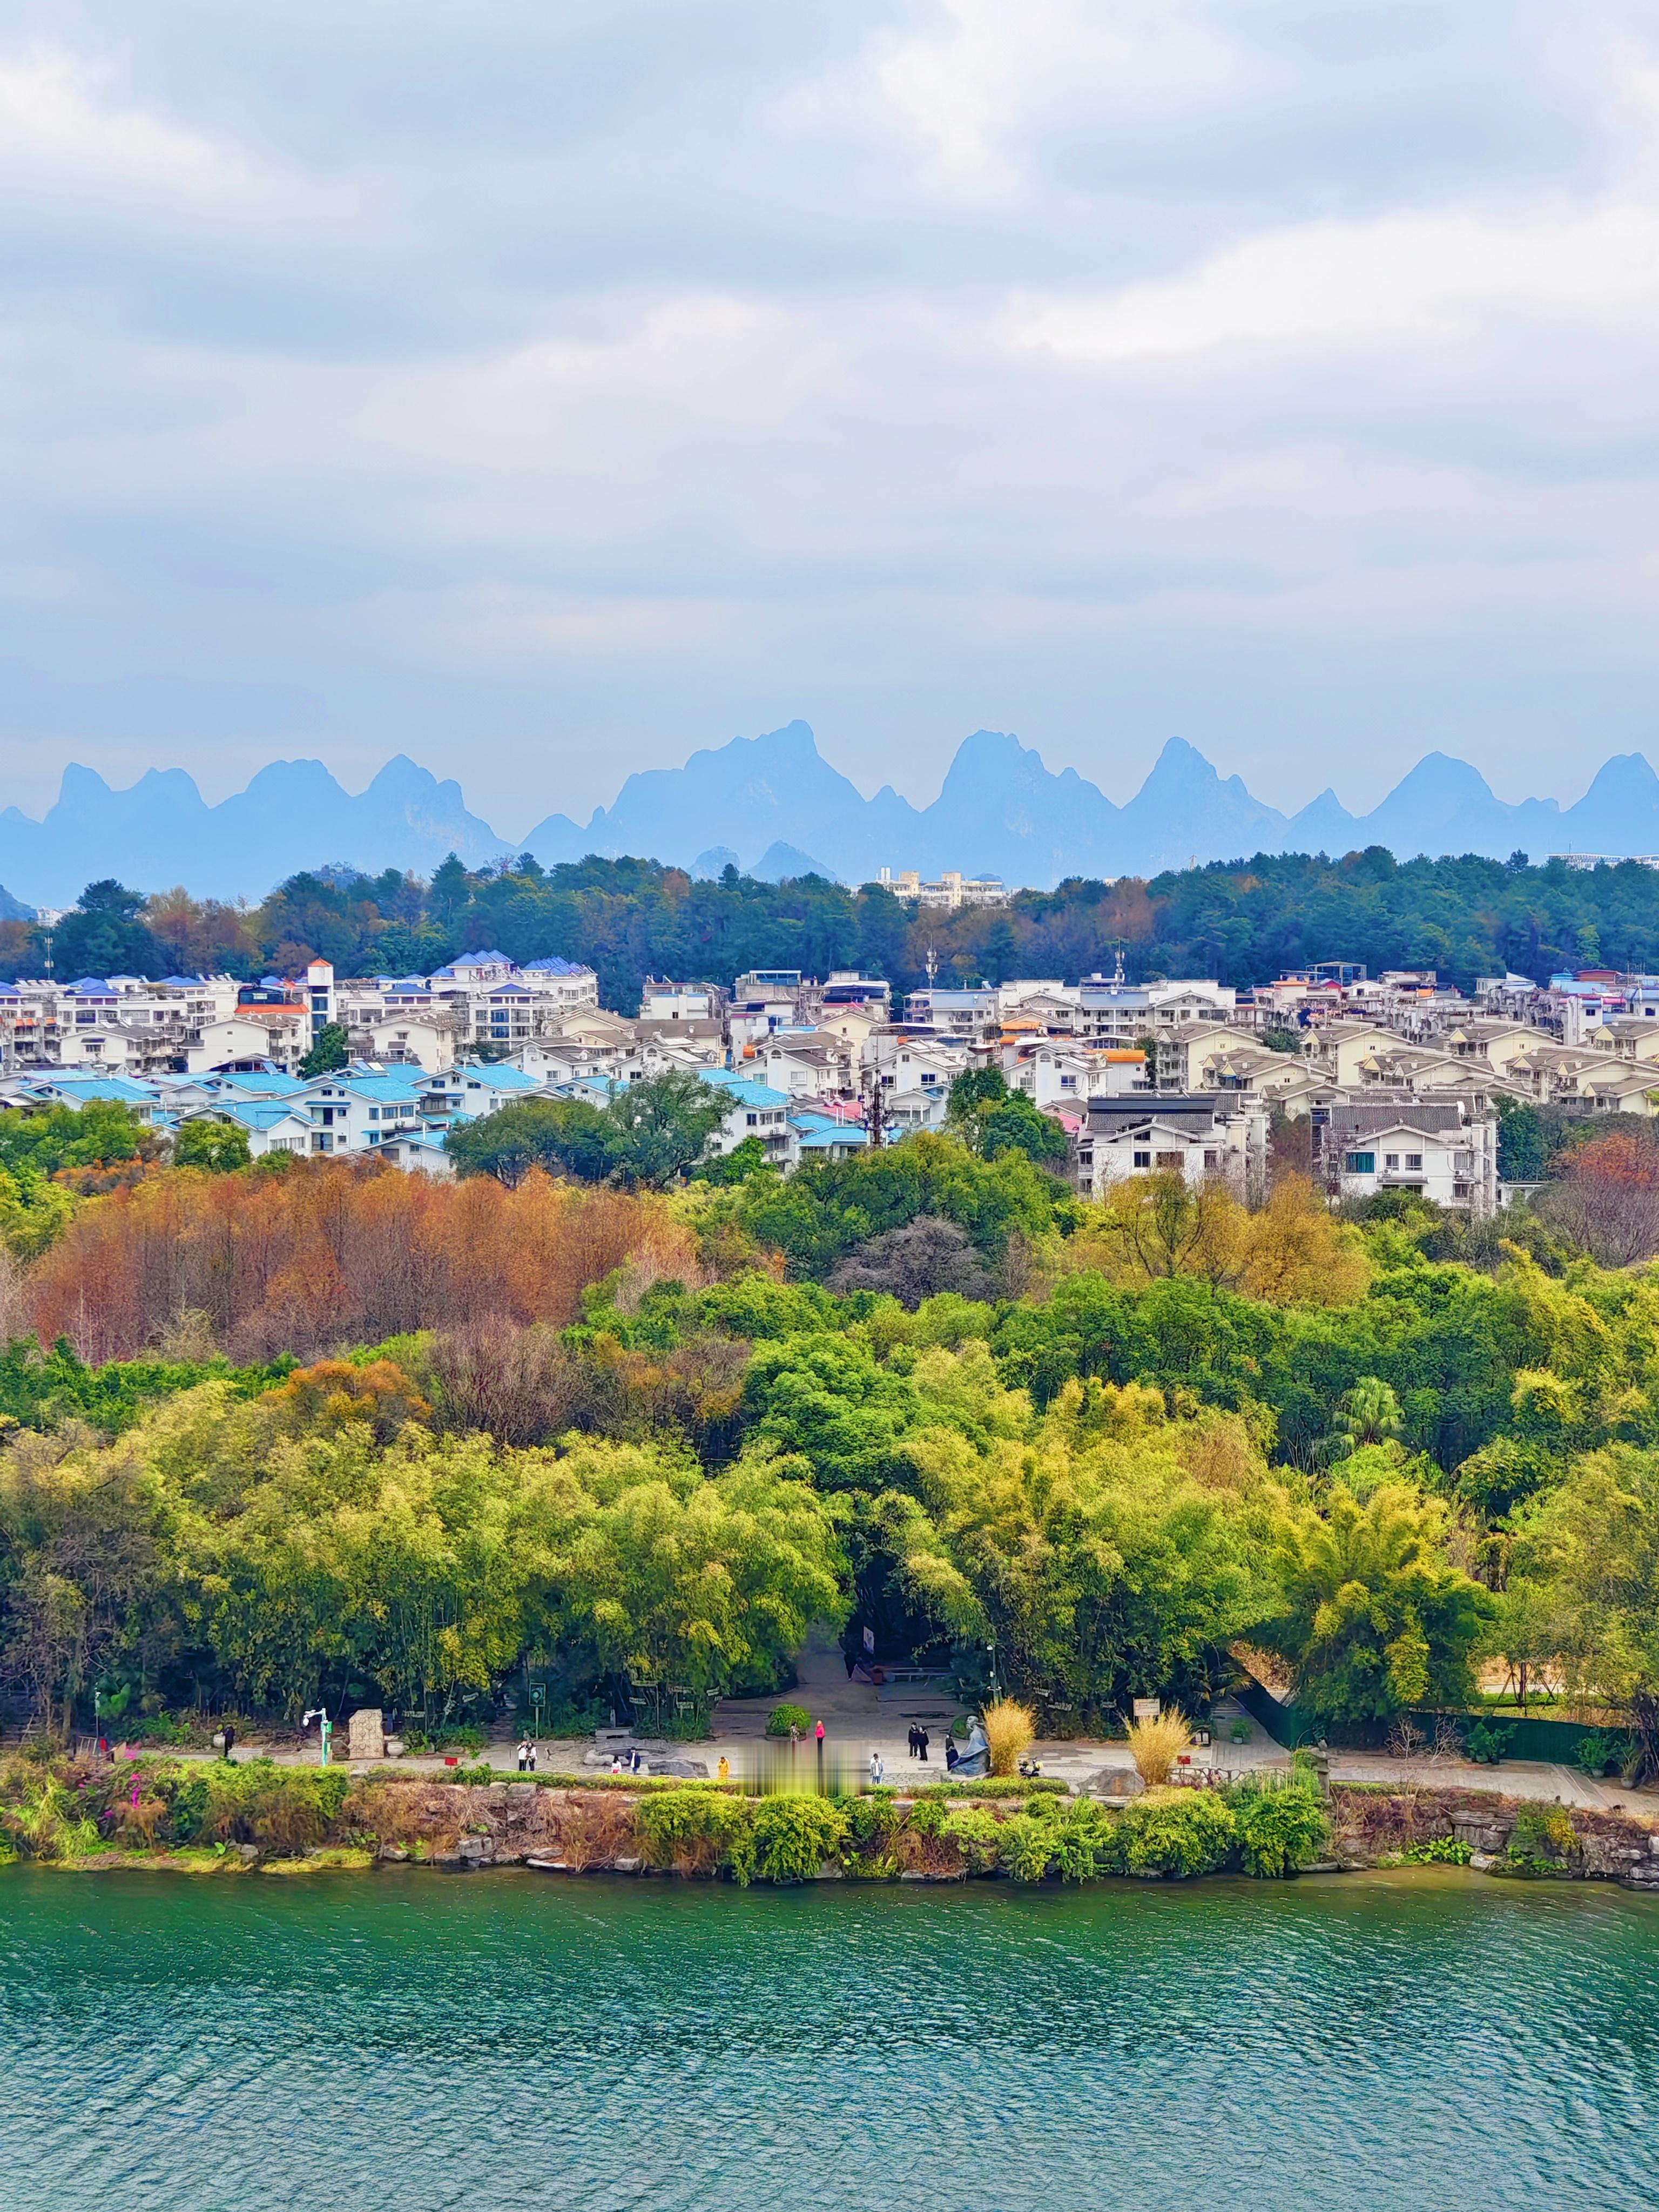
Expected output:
(1437, 1148)
(1199, 1139)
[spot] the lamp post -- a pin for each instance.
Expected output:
(318, 1713)
(991, 1653)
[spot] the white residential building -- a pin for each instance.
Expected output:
(1198, 1139)
(1435, 1148)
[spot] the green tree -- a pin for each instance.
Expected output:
(102, 935)
(563, 1136)
(95, 1135)
(1374, 1617)
(1016, 1126)
(331, 1050)
(1587, 1556)
(973, 1088)
(217, 1146)
(664, 1126)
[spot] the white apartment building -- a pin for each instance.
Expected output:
(1435, 1148)
(949, 890)
(1197, 1138)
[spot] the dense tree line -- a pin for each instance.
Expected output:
(1242, 921)
(637, 1440)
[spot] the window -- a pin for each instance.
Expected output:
(752, 1118)
(1414, 1160)
(1359, 1163)
(1143, 1159)
(1390, 1160)
(1167, 1161)
(1213, 1159)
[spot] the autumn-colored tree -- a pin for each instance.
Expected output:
(336, 1252)
(1608, 1198)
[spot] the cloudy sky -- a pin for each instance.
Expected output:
(547, 387)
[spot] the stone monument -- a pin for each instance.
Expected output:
(366, 1739)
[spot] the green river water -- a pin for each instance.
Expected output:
(407, 2041)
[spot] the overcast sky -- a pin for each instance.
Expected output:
(548, 389)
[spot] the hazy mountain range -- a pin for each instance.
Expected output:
(772, 805)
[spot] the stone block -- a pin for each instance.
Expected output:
(366, 1734)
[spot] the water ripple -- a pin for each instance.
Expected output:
(353, 2044)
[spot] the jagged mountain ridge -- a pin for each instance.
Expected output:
(774, 801)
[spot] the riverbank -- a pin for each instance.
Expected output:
(259, 1817)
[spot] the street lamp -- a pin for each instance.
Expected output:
(991, 1653)
(318, 1713)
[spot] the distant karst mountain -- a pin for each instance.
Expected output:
(773, 805)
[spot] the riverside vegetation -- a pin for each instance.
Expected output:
(332, 1435)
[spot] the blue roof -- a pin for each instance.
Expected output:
(184, 982)
(743, 1087)
(497, 1077)
(553, 965)
(94, 984)
(102, 1087)
(395, 1089)
(266, 1086)
(253, 1116)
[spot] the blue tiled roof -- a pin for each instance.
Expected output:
(266, 1086)
(395, 1089)
(252, 1116)
(743, 1089)
(100, 1088)
(553, 965)
(497, 1077)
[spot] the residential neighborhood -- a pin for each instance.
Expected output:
(1394, 1080)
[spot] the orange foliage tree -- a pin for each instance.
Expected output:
(339, 1252)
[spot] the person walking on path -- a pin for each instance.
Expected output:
(229, 1741)
(876, 1770)
(818, 1735)
(723, 1774)
(913, 1732)
(921, 1744)
(524, 1759)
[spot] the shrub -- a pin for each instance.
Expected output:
(594, 1833)
(1155, 1745)
(1486, 1742)
(1010, 1730)
(976, 1833)
(994, 1786)
(1543, 1835)
(1437, 1851)
(1175, 1833)
(1025, 1847)
(1601, 1751)
(793, 1836)
(1279, 1828)
(783, 1718)
(696, 1831)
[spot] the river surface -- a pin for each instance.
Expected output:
(403, 2042)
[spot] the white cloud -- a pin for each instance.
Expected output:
(629, 376)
